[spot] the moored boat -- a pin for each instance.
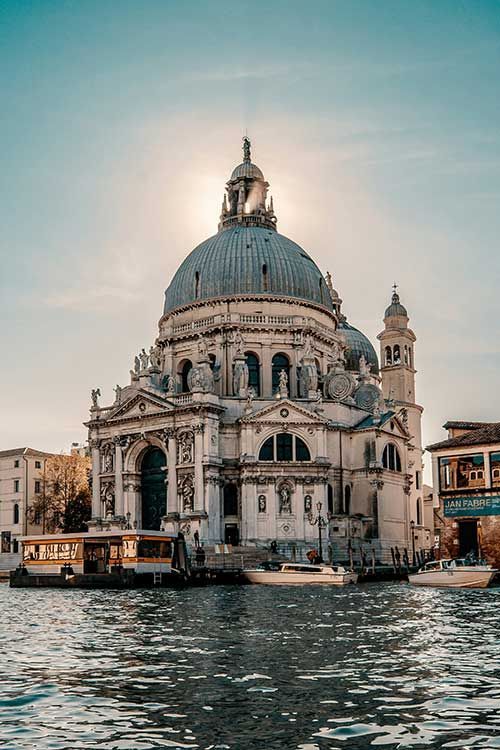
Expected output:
(454, 573)
(119, 558)
(301, 573)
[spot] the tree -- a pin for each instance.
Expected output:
(64, 502)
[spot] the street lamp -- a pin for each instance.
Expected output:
(413, 558)
(322, 523)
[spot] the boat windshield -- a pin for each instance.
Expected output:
(300, 569)
(433, 566)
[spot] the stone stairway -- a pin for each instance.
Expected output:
(237, 558)
(8, 562)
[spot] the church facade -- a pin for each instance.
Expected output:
(259, 408)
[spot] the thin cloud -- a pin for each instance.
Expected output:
(113, 277)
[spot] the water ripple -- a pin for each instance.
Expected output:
(229, 668)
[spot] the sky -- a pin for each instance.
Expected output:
(376, 124)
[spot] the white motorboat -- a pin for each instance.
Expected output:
(458, 573)
(301, 573)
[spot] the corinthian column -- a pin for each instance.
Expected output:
(172, 499)
(199, 494)
(119, 502)
(96, 481)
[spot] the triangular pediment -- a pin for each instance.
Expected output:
(399, 427)
(141, 404)
(389, 423)
(283, 410)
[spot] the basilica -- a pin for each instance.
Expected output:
(259, 408)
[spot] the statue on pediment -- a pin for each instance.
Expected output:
(155, 357)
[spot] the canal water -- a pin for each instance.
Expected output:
(224, 668)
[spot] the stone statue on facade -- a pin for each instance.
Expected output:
(95, 394)
(250, 398)
(107, 458)
(364, 368)
(240, 377)
(108, 498)
(285, 500)
(187, 492)
(239, 345)
(185, 442)
(282, 385)
(202, 349)
(336, 358)
(329, 284)
(169, 384)
(308, 376)
(262, 503)
(308, 346)
(118, 394)
(155, 357)
(246, 148)
(144, 359)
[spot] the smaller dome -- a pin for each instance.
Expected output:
(359, 345)
(247, 169)
(396, 309)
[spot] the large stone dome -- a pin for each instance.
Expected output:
(358, 345)
(247, 260)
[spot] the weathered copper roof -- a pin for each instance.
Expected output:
(247, 169)
(359, 345)
(247, 260)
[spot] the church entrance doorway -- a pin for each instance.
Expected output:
(467, 538)
(154, 490)
(232, 534)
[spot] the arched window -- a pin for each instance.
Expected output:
(196, 285)
(397, 355)
(301, 450)
(330, 499)
(406, 354)
(16, 514)
(264, 277)
(409, 356)
(280, 362)
(419, 511)
(230, 500)
(347, 499)
(284, 447)
(253, 365)
(267, 450)
(388, 355)
(183, 376)
(390, 458)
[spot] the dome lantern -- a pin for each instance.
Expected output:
(246, 196)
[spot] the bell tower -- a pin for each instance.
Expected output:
(397, 354)
(397, 359)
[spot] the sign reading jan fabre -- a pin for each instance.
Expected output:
(472, 506)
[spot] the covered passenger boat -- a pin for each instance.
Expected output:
(101, 559)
